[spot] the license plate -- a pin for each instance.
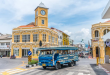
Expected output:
(43, 64)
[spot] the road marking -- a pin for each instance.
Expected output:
(80, 73)
(70, 73)
(51, 72)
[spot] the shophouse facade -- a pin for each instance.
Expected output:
(98, 31)
(60, 36)
(65, 39)
(27, 37)
(5, 45)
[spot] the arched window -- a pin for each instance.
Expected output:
(106, 31)
(96, 33)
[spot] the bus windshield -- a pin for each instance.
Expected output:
(46, 53)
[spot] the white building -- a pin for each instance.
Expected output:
(106, 12)
(71, 42)
(81, 45)
(60, 36)
(5, 44)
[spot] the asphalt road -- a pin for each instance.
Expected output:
(7, 63)
(83, 67)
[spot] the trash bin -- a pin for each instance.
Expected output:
(106, 58)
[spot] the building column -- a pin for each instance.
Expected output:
(20, 52)
(20, 38)
(31, 37)
(94, 52)
(12, 50)
(31, 49)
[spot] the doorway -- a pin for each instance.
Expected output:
(97, 51)
(25, 52)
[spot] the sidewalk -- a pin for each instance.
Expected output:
(106, 66)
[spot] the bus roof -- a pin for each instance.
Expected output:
(58, 48)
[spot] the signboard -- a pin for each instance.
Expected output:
(29, 53)
(29, 58)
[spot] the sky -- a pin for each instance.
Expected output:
(74, 17)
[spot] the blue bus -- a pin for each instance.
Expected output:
(57, 56)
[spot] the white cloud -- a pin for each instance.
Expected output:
(67, 32)
(79, 35)
(61, 8)
(21, 8)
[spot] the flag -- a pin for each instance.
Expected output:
(88, 45)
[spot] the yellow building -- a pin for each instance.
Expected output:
(98, 31)
(65, 39)
(27, 37)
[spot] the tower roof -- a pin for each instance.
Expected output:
(41, 5)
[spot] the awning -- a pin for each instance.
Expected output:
(4, 50)
(58, 48)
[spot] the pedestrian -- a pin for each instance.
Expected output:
(1, 55)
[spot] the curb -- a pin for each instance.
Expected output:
(33, 65)
(105, 70)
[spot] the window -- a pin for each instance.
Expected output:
(36, 13)
(16, 38)
(42, 21)
(56, 40)
(2, 44)
(106, 31)
(49, 38)
(44, 37)
(96, 33)
(25, 38)
(35, 52)
(60, 37)
(52, 39)
(16, 52)
(35, 37)
(8, 43)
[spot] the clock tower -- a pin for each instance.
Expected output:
(41, 16)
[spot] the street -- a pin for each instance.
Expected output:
(83, 67)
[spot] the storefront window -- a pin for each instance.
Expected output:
(25, 38)
(16, 52)
(35, 37)
(16, 38)
(35, 52)
(44, 37)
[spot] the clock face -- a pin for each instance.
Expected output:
(42, 12)
(37, 13)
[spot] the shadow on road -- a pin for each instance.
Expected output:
(98, 70)
(52, 68)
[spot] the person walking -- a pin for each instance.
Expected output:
(1, 55)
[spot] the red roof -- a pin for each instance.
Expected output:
(59, 30)
(26, 26)
(108, 21)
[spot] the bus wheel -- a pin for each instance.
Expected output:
(61, 65)
(56, 66)
(44, 67)
(74, 63)
(70, 64)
